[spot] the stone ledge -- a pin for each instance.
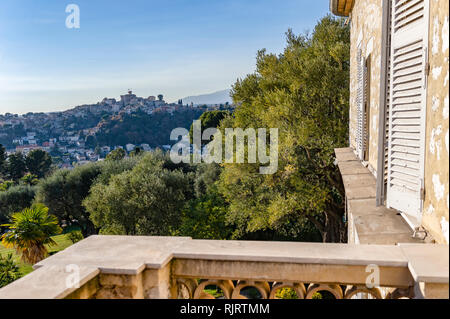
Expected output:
(47, 282)
(361, 192)
(428, 263)
(131, 254)
(368, 223)
(137, 253)
(291, 252)
(352, 168)
(360, 179)
(386, 239)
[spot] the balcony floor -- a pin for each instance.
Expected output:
(369, 224)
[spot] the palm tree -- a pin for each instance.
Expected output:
(30, 230)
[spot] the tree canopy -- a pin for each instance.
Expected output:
(38, 162)
(16, 166)
(116, 154)
(146, 200)
(15, 199)
(304, 92)
(210, 119)
(64, 191)
(2, 159)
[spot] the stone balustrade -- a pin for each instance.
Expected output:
(105, 267)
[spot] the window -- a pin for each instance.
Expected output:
(363, 107)
(366, 106)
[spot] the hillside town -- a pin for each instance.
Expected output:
(65, 135)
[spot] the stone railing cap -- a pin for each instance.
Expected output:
(52, 282)
(427, 263)
(292, 252)
(118, 254)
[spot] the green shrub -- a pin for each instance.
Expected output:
(14, 200)
(286, 293)
(144, 201)
(9, 270)
(63, 193)
(317, 295)
(75, 236)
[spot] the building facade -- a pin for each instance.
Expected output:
(399, 104)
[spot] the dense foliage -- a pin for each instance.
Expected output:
(15, 166)
(303, 92)
(140, 127)
(15, 199)
(209, 120)
(63, 193)
(116, 155)
(75, 236)
(144, 201)
(204, 217)
(9, 270)
(38, 163)
(2, 159)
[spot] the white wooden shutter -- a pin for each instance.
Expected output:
(408, 106)
(360, 138)
(388, 111)
(366, 109)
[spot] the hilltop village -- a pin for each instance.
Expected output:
(89, 132)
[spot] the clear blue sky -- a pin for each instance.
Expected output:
(173, 47)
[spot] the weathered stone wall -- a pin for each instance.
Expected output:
(148, 284)
(366, 20)
(120, 287)
(366, 30)
(157, 283)
(436, 205)
(86, 291)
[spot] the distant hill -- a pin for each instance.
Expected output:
(219, 97)
(140, 127)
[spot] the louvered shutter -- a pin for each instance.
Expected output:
(366, 109)
(360, 138)
(387, 114)
(388, 108)
(408, 106)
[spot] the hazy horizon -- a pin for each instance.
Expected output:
(178, 48)
(118, 99)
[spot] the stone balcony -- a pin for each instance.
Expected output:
(106, 267)
(367, 222)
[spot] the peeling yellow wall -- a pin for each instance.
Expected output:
(436, 205)
(366, 20)
(366, 29)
